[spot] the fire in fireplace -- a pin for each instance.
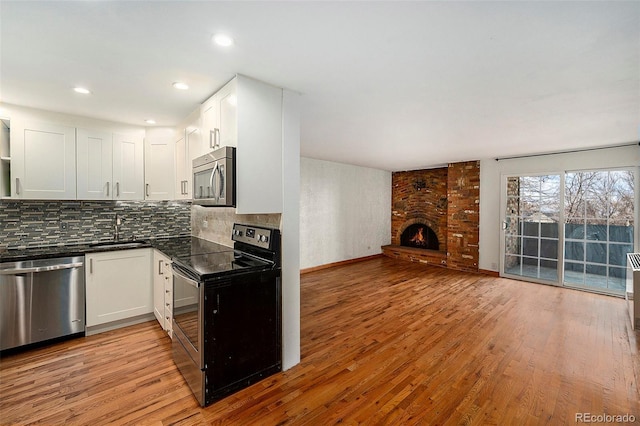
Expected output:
(419, 235)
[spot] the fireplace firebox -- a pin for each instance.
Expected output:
(419, 235)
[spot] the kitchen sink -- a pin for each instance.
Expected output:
(121, 244)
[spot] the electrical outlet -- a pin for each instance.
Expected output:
(205, 224)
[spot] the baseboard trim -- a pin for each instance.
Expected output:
(342, 262)
(490, 273)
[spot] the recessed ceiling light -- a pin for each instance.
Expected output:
(180, 86)
(81, 90)
(150, 121)
(222, 40)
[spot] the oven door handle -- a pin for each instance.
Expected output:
(194, 283)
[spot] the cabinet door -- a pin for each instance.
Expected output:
(182, 186)
(210, 116)
(43, 161)
(94, 165)
(118, 285)
(159, 168)
(128, 167)
(195, 146)
(228, 122)
(161, 307)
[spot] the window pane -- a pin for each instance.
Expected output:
(531, 229)
(549, 230)
(597, 232)
(597, 252)
(513, 226)
(618, 254)
(621, 232)
(574, 231)
(549, 270)
(574, 273)
(512, 264)
(530, 246)
(574, 251)
(549, 249)
(596, 270)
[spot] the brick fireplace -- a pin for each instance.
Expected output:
(435, 216)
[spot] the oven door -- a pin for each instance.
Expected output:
(187, 345)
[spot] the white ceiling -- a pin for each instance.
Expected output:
(391, 85)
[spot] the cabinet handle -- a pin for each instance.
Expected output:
(168, 304)
(146, 190)
(17, 186)
(91, 266)
(117, 189)
(108, 185)
(212, 137)
(167, 291)
(217, 138)
(160, 267)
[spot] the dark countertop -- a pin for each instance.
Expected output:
(173, 247)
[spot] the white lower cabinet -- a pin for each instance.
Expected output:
(118, 285)
(163, 291)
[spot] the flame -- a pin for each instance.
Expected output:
(419, 239)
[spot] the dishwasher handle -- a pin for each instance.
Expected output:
(41, 268)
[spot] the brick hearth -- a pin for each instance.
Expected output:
(449, 204)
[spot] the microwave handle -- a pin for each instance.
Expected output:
(221, 191)
(212, 180)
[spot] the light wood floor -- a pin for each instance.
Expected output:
(383, 342)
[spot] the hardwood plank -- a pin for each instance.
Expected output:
(383, 342)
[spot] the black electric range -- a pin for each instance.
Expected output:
(254, 248)
(227, 312)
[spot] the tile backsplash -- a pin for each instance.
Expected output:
(216, 223)
(32, 223)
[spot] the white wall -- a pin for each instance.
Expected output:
(291, 106)
(345, 212)
(492, 173)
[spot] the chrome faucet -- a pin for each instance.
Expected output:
(116, 228)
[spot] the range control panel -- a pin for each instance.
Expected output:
(256, 236)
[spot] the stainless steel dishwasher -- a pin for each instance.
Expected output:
(41, 300)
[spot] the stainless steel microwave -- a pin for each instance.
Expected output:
(214, 182)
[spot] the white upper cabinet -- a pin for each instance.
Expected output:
(128, 167)
(43, 161)
(182, 171)
(109, 166)
(189, 145)
(219, 117)
(247, 114)
(94, 162)
(159, 166)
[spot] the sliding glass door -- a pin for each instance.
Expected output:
(599, 213)
(531, 227)
(571, 229)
